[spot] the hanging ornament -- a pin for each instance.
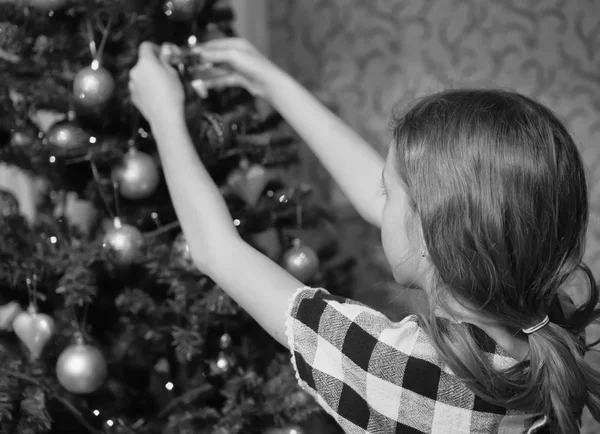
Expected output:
(180, 255)
(9, 205)
(81, 368)
(301, 262)
(137, 175)
(123, 244)
(67, 138)
(46, 5)
(183, 10)
(34, 330)
(94, 86)
(8, 313)
(323, 238)
(248, 181)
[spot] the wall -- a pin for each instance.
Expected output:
(370, 55)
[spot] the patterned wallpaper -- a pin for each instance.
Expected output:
(366, 56)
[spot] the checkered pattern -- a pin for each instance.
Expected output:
(376, 376)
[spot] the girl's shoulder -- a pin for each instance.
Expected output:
(373, 374)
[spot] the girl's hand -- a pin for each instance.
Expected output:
(250, 69)
(155, 87)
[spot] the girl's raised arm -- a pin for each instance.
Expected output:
(258, 284)
(353, 163)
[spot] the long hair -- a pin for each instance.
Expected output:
(500, 190)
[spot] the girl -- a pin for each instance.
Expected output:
(484, 208)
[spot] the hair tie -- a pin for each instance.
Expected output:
(536, 327)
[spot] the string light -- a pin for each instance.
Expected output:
(92, 139)
(237, 222)
(169, 386)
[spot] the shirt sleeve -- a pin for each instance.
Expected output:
(349, 357)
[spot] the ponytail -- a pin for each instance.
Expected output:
(567, 383)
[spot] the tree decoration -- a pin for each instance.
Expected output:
(93, 86)
(123, 244)
(248, 181)
(301, 261)
(67, 138)
(137, 175)
(34, 329)
(81, 368)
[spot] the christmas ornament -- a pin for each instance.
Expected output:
(93, 87)
(8, 313)
(67, 138)
(183, 10)
(34, 330)
(81, 368)
(323, 238)
(46, 5)
(181, 256)
(123, 243)
(9, 205)
(23, 136)
(301, 262)
(137, 175)
(248, 181)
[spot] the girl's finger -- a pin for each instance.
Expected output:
(148, 50)
(218, 55)
(223, 44)
(231, 80)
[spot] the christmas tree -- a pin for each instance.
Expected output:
(106, 325)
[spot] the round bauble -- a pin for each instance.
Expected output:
(67, 138)
(123, 244)
(81, 368)
(93, 87)
(301, 262)
(9, 204)
(183, 10)
(137, 175)
(47, 5)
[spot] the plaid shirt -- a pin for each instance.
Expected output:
(377, 376)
